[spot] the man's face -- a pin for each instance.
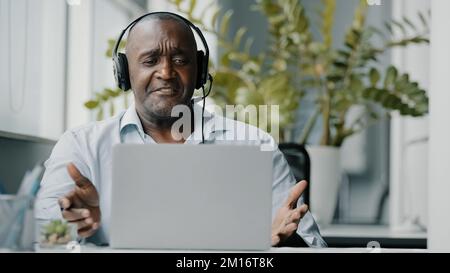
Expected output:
(162, 65)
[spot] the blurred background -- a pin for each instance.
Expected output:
(351, 78)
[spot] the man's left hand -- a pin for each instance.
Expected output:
(288, 217)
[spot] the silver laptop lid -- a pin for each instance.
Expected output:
(191, 197)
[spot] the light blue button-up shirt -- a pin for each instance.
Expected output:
(89, 147)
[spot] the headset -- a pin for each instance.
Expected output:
(120, 62)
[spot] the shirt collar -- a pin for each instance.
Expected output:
(212, 123)
(131, 118)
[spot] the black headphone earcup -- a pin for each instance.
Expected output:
(121, 72)
(202, 70)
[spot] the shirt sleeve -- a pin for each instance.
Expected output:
(283, 181)
(56, 181)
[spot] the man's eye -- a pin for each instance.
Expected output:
(179, 61)
(151, 61)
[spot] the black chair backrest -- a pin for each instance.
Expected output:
(299, 162)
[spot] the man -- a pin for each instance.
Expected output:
(161, 55)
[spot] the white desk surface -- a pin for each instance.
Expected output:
(94, 249)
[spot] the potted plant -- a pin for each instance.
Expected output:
(339, 79)
(296, 64)
(345, 79)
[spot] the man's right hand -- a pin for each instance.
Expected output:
(81, 206)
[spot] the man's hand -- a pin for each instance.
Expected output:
(287, 218)
(81, 206)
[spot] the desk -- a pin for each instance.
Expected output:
(90, 249)
(340, 238)
(95, 249)
(360, 235)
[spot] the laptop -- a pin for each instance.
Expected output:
(200, 197)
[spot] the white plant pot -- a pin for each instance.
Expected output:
(325, 178)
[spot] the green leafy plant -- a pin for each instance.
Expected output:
(296, 63)
(56, 232)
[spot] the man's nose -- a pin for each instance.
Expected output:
(166, 71)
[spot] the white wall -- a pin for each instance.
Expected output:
(53, 68)
(439, 154)
(78, 62)
(32, 67)
(409, 144)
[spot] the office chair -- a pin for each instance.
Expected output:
(299, 162)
